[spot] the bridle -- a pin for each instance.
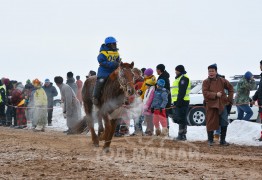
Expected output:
(122, 80)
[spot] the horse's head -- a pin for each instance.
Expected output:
(126, 78)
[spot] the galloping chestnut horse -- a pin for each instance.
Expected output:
(118, 87)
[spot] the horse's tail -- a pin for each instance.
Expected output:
(87, 94)
(81, 126)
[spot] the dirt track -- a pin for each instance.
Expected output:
(54, 155)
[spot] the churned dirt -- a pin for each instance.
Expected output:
(53, 155)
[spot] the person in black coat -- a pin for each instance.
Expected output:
(163, 74)
(258, 97)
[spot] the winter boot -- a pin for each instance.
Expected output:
(180, 137)
(164, 132)
(223, 136)
(216, 137)
(97, 90)
(181, 133)
(210, 135)
(158, 131)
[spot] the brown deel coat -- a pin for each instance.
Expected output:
(215, 105)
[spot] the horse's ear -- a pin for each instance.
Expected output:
(132, 65)
(121, 63)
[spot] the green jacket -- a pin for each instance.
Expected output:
(244, 87)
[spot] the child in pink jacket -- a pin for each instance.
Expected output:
(147, 101)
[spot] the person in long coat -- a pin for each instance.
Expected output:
(38, 102)
(18, 101)
(72, 107)
(216, 100)
(79, 84)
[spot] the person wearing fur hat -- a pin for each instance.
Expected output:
(158, 105)
(258, 97)
(38, 102)
(71, 81)
(138, 84)
(180, 98)
(138, 78)
(72, 108)
(18, 101)
(216, 100)
(242, 100)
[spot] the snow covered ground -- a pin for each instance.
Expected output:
(239, 132)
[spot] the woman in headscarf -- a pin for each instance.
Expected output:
(38, 101)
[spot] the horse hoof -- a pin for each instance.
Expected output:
(106, 150)
(96, 145)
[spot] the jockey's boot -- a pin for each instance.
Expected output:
(223, 136)
(210, 135)
(97, 90)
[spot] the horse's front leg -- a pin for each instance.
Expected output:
(101, 132)
(110, 126)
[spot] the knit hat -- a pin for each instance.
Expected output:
(77, 77)
(150, 82)
(212, 66)
(161, 83)
(70, 74)
(248, 75)
(149, 72)
(180, 68)
(161, 67)
(47, 81)
(28, 81)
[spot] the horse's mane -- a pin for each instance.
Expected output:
(114, 74)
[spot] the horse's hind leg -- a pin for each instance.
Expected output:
(110, 129)
(90, 123)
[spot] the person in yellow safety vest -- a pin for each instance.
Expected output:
(180, 98)
(2, 104)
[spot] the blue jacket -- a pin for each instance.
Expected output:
(160, 98)
(108, 61)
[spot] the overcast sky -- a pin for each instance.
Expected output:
(45, 38)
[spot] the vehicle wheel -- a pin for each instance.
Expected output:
(197, 116)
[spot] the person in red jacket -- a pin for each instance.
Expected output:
(79, 84)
